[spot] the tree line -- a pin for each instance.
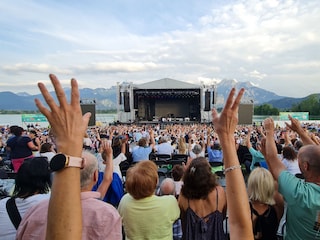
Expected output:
(311, 104)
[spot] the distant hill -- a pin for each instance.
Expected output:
(287, 102)
(106, 98)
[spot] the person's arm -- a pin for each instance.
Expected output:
(209, 137)
(269, 150)
(107, 157)
(237, 198)
(32, 146)
(296, 126)
(314, 139)
(152, 141)
(67, 125)
(260, 131)
(248, 142)
(287, 139)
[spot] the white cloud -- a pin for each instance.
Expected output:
(261, 41)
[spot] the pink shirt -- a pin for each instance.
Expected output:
(100, 220)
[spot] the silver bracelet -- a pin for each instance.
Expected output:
(232, 168)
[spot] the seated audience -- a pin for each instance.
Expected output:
(145, 215)
(202, 202)
(64, 211)
(101, 220)
(46, 150)
(265, 213)
(32, 184)
(143, 150)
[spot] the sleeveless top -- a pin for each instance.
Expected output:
(265, 225)
(208, 227)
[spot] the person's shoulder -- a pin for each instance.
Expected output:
(168, 199)
(38, 210)
(102, 207)
(3, 202)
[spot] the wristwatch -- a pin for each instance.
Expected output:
(60, 161)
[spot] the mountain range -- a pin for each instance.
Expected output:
(106, 98)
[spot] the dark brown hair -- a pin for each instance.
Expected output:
(177, 172)
(198, 180)
(289, 153)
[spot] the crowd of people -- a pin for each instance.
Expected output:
(272, 178)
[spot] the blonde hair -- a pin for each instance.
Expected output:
(261, 186)
(182, 146)
(142, 179)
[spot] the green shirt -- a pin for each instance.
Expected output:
(303, 212)
(148, 218)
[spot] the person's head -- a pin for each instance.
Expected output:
(46, 147)
(261, 186)
(33, 133)
(177, 172)
(17, 131)
(33, 177)
(142, 142)
(89, 174)
(12, 128)
(198, 180)
(167, 187)
(197, 149)
(216, 146)
(297, 145)
(142, 179)
(116, 145)
(308, 158)
(289, 153)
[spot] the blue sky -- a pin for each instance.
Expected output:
(273, 44)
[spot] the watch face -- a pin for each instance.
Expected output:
(58, 162)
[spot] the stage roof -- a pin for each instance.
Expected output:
(167, 83)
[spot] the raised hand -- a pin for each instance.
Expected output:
(67, 123)
(226, 123)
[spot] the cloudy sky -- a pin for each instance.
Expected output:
(273, 44)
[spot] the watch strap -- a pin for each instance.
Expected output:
(74, 161)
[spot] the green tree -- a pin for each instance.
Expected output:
(265, 109)
(311, 105)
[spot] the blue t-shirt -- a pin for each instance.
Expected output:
(214, 155)
(303, 212)
(141, 153)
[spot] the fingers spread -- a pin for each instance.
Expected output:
(59, 91)
(42, 108)
(237, 100)
(47, 96)
(230, 98)
(75, 96)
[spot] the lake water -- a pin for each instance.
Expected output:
(105, 119)
(16, 119)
